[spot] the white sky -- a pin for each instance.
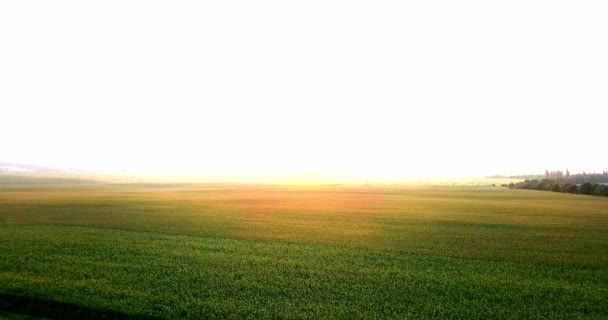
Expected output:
(348, 88)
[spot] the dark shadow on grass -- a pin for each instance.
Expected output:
(50, 309)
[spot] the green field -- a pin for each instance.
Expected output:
(81, 249)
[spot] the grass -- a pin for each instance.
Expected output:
(244, 251)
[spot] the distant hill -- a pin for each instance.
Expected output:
(23, 180)
(20, 167)
(18, 174)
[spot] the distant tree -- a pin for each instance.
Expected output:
(586, 188)
(556, 188)
(603, 190)
(525, 185)
(600, 190)
(511, 185)
(572, 188)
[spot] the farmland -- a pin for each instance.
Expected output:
(157, 250)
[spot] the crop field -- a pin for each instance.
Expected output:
(84, 249)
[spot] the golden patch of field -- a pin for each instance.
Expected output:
(482, 222)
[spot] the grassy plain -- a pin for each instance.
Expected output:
(72, 249)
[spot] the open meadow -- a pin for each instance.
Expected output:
(85, 249)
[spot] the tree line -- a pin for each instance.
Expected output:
(560, 176)
(595, 186)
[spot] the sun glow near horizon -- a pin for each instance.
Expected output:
(318, 89)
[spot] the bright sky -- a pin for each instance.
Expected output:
(268, 88)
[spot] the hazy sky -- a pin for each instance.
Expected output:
(349, 88)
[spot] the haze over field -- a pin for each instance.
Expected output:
(340, 89)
